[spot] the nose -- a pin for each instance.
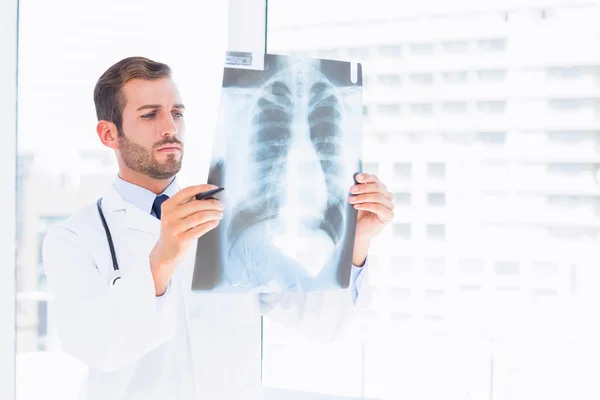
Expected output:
(169, 127)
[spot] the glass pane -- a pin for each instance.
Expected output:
(64, 47)
(493, 163)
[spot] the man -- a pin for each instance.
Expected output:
(143, 333)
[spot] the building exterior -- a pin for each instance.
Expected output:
(485, 122)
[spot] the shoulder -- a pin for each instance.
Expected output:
(76, 225)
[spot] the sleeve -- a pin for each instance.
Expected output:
(323, 314)
(107, 325)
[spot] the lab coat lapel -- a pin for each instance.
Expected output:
(125, 215)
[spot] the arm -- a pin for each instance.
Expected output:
(105, 326)
(323, 314)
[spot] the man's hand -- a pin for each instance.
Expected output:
(375, 210)
(184, 220)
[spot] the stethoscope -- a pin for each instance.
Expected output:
(110, 242)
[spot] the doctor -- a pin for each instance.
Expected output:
(141, 330)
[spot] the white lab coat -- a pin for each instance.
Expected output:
(182, 345)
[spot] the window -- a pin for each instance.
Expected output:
(371, 168)
(389, 109)
(436, 199)
(358, 53)
(390, 51)
(436, 232)
(457, 47)
(421, 79)
(436, 171)
(403, 199)
(402, 171)
(421, 108)
(568, 105)
(422, 48)
(491, 107)
(491, 75)
(402, 231)
(456, 107)
(455, 77)
(390, 80)
(492, 138)
(506, 268)
(492, 45)
(446, 296)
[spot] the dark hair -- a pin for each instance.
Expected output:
(108, 92)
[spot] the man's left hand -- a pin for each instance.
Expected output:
(375, 210)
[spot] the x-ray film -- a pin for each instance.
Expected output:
(287, 148)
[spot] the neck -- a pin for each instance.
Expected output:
(156, 186)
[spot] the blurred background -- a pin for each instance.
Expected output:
(483, 118)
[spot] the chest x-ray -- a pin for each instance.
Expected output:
(287, 148)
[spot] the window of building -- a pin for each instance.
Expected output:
(402, 231)
(389, 109)
(421, 108)
(434, 266)
(456, 107)
(403, 199)
(492, 138)
(492, 107)
(390, 80)
(436, 171)
(504, 267)
(421, 79)
(436, 199)
(358, 53)
(371, 168)
(456, 47)
(390, 51)
(470, 266)
(455, 77)
(497, 45)
(571, 137)
(436, 232)
(422, 48)
(492, 75)
(402, 171)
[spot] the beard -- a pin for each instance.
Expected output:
(143, 161)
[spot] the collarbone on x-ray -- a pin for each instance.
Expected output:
(287, 152)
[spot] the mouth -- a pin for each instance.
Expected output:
(169, 149)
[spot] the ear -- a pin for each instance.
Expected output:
(107, 132)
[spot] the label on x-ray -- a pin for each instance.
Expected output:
(245, 60)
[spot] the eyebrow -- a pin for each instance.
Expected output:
(155, 106)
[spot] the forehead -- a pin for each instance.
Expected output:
(139, 92)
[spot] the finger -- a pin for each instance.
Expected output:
(198, 231)
(196, 219)
(377, 198)
(384, 214)
(371, 188)
(186, 194)
(192, 207)
(367, 178)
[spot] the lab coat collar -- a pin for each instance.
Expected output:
(133, 218)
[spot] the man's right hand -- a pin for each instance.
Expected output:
(184, 220)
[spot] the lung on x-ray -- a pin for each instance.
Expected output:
(287, 148)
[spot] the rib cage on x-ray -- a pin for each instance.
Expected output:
(286, 151)
(281, 101)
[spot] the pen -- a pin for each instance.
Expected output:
(208, 194)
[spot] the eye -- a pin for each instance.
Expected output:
(177, 114)
(149, 115)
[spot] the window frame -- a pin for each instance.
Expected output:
(8, 176)
(247, 32)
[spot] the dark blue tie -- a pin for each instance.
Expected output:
(158, 203)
